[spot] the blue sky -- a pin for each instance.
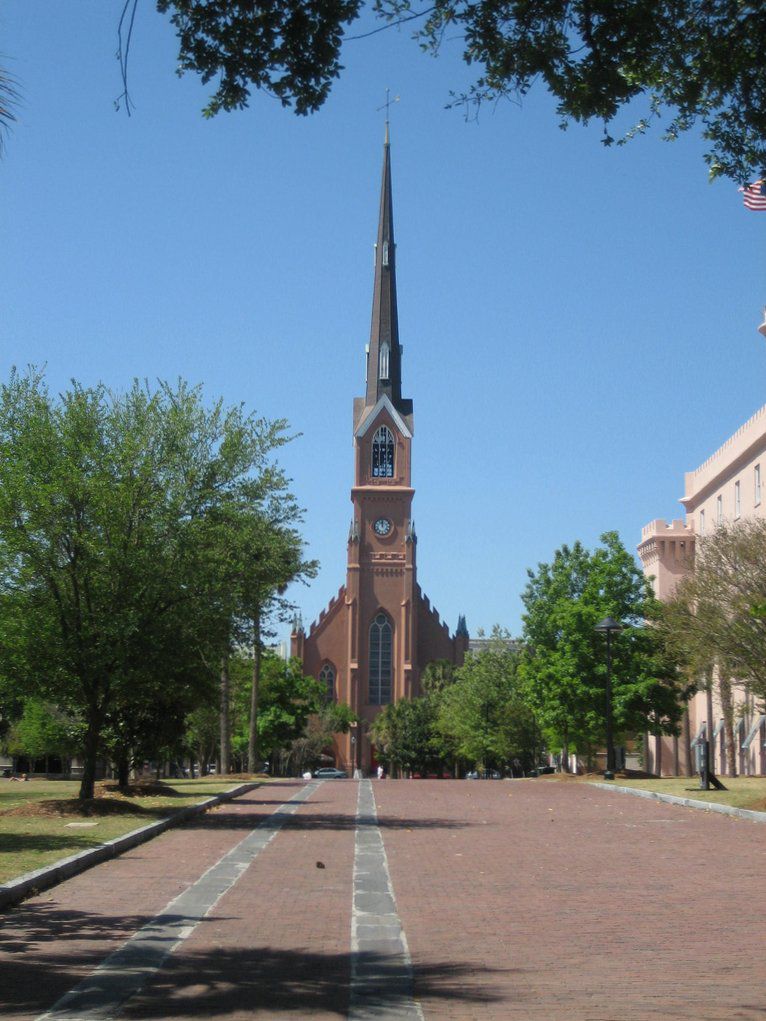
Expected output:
(579, 323)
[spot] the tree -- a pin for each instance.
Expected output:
(44, 729)
(564, 658)
(690, 62)
(437, 676)
(256, 550)
(291, 49)
(714, 623)
(8, 97)
(288, 699)
(110, 595)
(404, 733)
(306, 750)
(202, 734)
(484, 713)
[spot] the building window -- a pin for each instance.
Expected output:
(383, 454)
(719, 510)
(380, 660)
(702, 522)
(327, 678)
(737, 501)
(383, 360)
(757, 477)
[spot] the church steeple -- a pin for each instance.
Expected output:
(384, 358)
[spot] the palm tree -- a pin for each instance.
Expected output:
(8, 96)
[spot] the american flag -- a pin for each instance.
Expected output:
(755, 195)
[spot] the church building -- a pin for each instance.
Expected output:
(372, 641)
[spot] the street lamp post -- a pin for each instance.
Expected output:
(609, 626)
(356, 749)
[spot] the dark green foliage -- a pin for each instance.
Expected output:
(688, 62)
(290, 49)
(405, 737)
(44, 729)
(287, 698)
(112, 598)
(8, 99)
(564, 658)
(484, 715)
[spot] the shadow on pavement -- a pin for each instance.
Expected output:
(320, 821)
(299, 983)
(45, 951)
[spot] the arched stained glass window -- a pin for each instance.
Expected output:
(383, 360)
(327, 677)
(380, 660)
(383, 454)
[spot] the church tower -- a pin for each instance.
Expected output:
(371, 643)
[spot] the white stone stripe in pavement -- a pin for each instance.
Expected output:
(381, 967)
(126, 970)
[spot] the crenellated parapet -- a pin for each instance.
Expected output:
(432, 612)
(667, 553)
(329, 611)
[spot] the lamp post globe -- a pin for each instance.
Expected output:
(609, 626)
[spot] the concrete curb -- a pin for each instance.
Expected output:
(42, 879)
(673, 799)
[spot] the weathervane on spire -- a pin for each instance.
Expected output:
(387, 106)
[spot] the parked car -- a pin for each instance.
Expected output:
(330, 773)
(474, 774)
(540, 770)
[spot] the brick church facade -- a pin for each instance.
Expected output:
(377, 634)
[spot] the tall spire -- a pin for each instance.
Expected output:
(384, 359)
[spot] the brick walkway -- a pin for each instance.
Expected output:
(519, 901)
(543, 900)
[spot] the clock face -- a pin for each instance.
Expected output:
(382, 526)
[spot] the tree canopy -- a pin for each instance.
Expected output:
(715, 616)
(682, 62)
(113, 604)
(472, 715)
(484, 714)
(564, 659)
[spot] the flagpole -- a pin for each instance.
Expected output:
(755, 200)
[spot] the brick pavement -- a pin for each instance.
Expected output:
(540, 900)
(50, 942)
(520, 901)
(277, 945)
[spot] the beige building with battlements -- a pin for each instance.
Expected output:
(727, 487)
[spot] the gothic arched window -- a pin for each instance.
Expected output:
(385, 351)
(327, 677)
(380, 660)
(383, 454)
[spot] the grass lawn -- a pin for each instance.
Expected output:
(41, 823)
(743, 791)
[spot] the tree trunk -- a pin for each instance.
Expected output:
(123, 769)
(687, 743)
(90, 759)
(252, 743)
(709, 701)
(727, 705)
(225, 756)
(658, 754)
